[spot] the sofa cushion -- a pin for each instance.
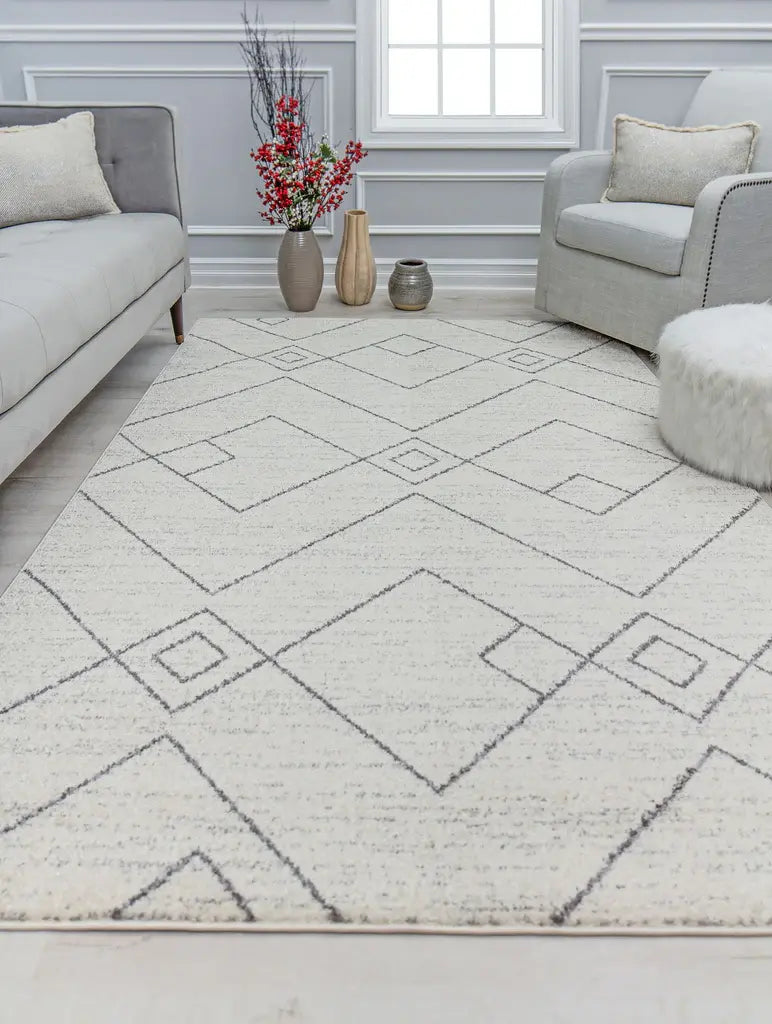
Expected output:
(651, 235)
(51, 171)
(61, 282)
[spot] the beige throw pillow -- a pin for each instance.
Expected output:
(653, 163)
(51, 172)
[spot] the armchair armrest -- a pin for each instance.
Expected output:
(728, 254)
(572, 179)
(137, 147)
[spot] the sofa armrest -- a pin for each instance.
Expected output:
(572, 179)
(728, 254)
(137, 145)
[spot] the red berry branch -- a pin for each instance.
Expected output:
(297, 190)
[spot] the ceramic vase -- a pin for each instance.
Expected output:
(410, 285)
(355, 274)
(301, 270)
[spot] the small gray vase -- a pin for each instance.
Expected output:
(410, 285)
(301, 270)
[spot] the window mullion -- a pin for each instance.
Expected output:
(439, 58)
(547, 18)
(493, 58)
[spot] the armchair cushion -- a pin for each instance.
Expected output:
(650, 235)
(654, 163)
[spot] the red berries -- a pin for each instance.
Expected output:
(298, 190)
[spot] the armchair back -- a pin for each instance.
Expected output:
(729, 96)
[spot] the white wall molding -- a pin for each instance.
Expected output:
(514, 275)
(459, 230)
(178, 32)
(33, 75)
(671, 31)
(169, 33)
(324, 229)
(609, 72)
(468, 177)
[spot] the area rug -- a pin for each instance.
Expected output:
(392, 624)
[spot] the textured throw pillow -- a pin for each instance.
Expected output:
(51, 172)
(653, 163)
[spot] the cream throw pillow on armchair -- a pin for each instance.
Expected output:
(51, 172)
(653, 163)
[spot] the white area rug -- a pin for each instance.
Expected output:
(397, 624)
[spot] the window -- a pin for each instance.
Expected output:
(438, 73)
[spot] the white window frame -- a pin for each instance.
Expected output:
(556, 128)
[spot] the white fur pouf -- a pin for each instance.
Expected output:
(715, 407)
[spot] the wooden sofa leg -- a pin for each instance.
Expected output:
(177, 325)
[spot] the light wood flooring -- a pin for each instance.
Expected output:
(177, 978)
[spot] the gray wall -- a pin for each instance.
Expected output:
(478, 210)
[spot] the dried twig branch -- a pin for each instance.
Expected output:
(275, 69)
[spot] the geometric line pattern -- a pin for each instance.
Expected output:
(648, 651)
(656, 649)
(180, 865)
(206, 652)
(369, 623)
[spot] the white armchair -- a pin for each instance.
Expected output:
(626, 269)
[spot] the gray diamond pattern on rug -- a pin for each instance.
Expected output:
(405, 345)
(392, 623)
(191, 659)
(414, 461)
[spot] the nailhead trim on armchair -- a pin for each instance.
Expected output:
(740, 184)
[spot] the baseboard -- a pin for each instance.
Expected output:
(513, 275)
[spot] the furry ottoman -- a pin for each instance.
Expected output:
(715, 407)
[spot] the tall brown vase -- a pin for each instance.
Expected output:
(301, 270)
(355, 274)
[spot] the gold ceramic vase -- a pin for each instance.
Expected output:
(355, 273)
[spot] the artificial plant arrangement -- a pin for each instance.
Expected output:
(299, 187)
(302, 179)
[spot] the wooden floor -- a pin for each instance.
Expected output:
(123, 978)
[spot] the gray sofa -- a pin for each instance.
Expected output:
(626, 269)
(76, 295)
